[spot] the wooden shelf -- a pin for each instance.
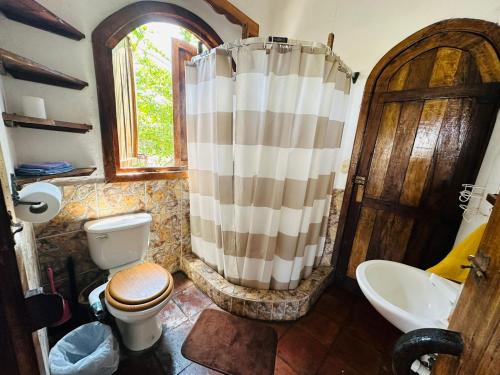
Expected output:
(13, 120)
(33, 14)
(492, 198)
(22, 68)
(78, 172)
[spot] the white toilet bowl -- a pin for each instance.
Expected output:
(408, 297)
(136, 290)
(139, 329)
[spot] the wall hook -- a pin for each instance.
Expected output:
(355, 76)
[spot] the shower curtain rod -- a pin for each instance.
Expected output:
(278, 40)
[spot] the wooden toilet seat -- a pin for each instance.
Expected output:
(139, 288)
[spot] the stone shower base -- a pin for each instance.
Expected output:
(273, 305)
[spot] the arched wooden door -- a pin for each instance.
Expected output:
(428, 111)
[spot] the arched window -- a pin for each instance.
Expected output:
(139, 55)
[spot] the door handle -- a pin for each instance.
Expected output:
(359, 182)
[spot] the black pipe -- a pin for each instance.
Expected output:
(414, 344)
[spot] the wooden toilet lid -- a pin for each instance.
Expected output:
(139, 284)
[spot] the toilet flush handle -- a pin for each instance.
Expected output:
(101, 236)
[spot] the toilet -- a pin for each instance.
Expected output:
(408, 297)
(136, 291)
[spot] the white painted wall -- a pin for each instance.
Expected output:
(364, 31)
(76, 59)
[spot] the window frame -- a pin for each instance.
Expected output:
(104, 38)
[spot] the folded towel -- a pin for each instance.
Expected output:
(43, 169)
(41, 172)
(449, 267)
(47, 165)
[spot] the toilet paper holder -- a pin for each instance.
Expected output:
(35, 207)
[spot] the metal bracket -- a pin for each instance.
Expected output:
(479, 264)
(35, 207)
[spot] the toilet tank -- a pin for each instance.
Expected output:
(118, 240)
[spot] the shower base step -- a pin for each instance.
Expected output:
(275, 305)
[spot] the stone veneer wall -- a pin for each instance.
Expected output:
(63, 236)
(166, 200)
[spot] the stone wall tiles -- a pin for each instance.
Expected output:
(64, 235)
(120, 198)
(54, 251)
(79, 204)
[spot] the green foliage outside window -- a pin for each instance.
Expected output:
(154, 100)
(153, 84)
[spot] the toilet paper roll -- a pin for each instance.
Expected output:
(44, 193)
(33, 107)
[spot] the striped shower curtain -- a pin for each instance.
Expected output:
(262, 153)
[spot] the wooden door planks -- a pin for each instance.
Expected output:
(421, 133)
(362, 239)
(383, 149)
(403, 144)
(423, 152)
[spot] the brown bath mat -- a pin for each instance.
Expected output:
(231, 345)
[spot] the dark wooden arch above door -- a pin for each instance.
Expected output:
(427, 113)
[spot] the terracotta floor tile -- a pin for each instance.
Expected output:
(213, 306)
(386, 368)
(181, 282)
(280, 327)
(322, 328)
(335, 366)
(171, 315)
(334, 308)
(342, 295)
(303, 353)
(368, 325)
(342, 334)
(282, 368)
(192, 301)
(357, 354)
(196, 369)
(168, 352)
(138, 364)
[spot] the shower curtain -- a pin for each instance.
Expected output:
(262, 154)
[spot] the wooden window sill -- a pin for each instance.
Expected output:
(131, 175)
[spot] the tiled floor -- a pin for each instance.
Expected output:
(342, 334)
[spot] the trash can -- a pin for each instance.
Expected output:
(87, 350)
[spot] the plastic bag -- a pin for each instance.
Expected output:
(89, 349)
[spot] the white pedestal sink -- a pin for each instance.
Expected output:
(408, 297)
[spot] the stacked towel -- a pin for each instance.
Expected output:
(43, 169)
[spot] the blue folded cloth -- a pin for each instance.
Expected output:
(47, 165)
(43, 169)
